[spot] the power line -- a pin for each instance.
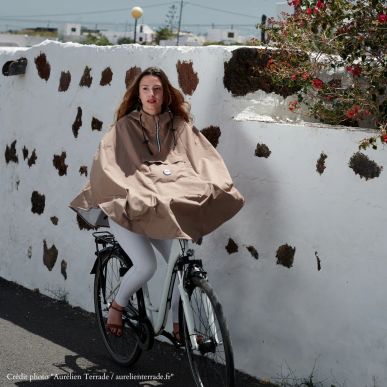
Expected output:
(81, 13)
(26, 17)
(122, 24)
(220, 10)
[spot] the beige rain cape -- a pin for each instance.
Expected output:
(160, 177)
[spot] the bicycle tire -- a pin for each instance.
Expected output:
(215, 367)
(124, 350)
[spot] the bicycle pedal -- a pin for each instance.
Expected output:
(207, 346)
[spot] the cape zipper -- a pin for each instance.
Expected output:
(158, 133)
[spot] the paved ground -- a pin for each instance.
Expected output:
(48, 343)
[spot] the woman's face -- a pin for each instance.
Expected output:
(151, 94)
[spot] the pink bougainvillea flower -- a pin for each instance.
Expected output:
(308, 11)
(305, 75)
(295, 3)
(354, 111)
(315, 10)
(293, 77)
(382, 18)
(354, 70)
(317, 83)
(320, 4)
(384, 137)
(293, 105)
(270, 63)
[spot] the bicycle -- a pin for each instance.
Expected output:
(202, 325)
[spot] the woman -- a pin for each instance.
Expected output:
(155, 178)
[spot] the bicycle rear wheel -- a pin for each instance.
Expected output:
(125, 349)
(213, 363)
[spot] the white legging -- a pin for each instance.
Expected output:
(139, 249)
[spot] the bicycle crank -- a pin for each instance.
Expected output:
(145, 335)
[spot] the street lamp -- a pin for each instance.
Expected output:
(136, 14)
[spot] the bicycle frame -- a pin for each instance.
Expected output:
(173, 270)
(165, 301)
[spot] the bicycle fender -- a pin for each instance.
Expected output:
(95, 264)
(94, 268)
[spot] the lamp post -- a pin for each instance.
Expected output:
(136, 14)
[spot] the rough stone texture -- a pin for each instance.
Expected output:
(38, 202)
(64, 82)
(86, 79)
(262, 150)
(131, 75)
(43, 66)
(212, 134)
(63, 268)
(253, 251)
(96, 124)
(50, 255)
(83, 225)
(318, 261)
(78, 122)
(320, 165)
(54, 220)
(364, 167)
(199, 241)
(231, 247)
(106, 77)
(188, 78)
(25, 152)
(83, 170)
(285, 255)
(59, 163)
(248, 71)
(31, 161)
(10, 153)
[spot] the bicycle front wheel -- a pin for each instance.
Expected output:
(125, 349)
(212, 364)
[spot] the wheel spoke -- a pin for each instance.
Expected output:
(124, 350)
(213, 363)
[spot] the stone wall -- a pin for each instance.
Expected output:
(300, 270)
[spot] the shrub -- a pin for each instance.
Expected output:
(343, 79)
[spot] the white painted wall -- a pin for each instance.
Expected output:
(281, 319)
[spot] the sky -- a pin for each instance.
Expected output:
(197, 15)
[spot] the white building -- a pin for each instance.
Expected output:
(70, 32)
(144, 34)
(227, 36)
(71, 29)
(185, 39)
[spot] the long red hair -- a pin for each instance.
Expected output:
(173, 98)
